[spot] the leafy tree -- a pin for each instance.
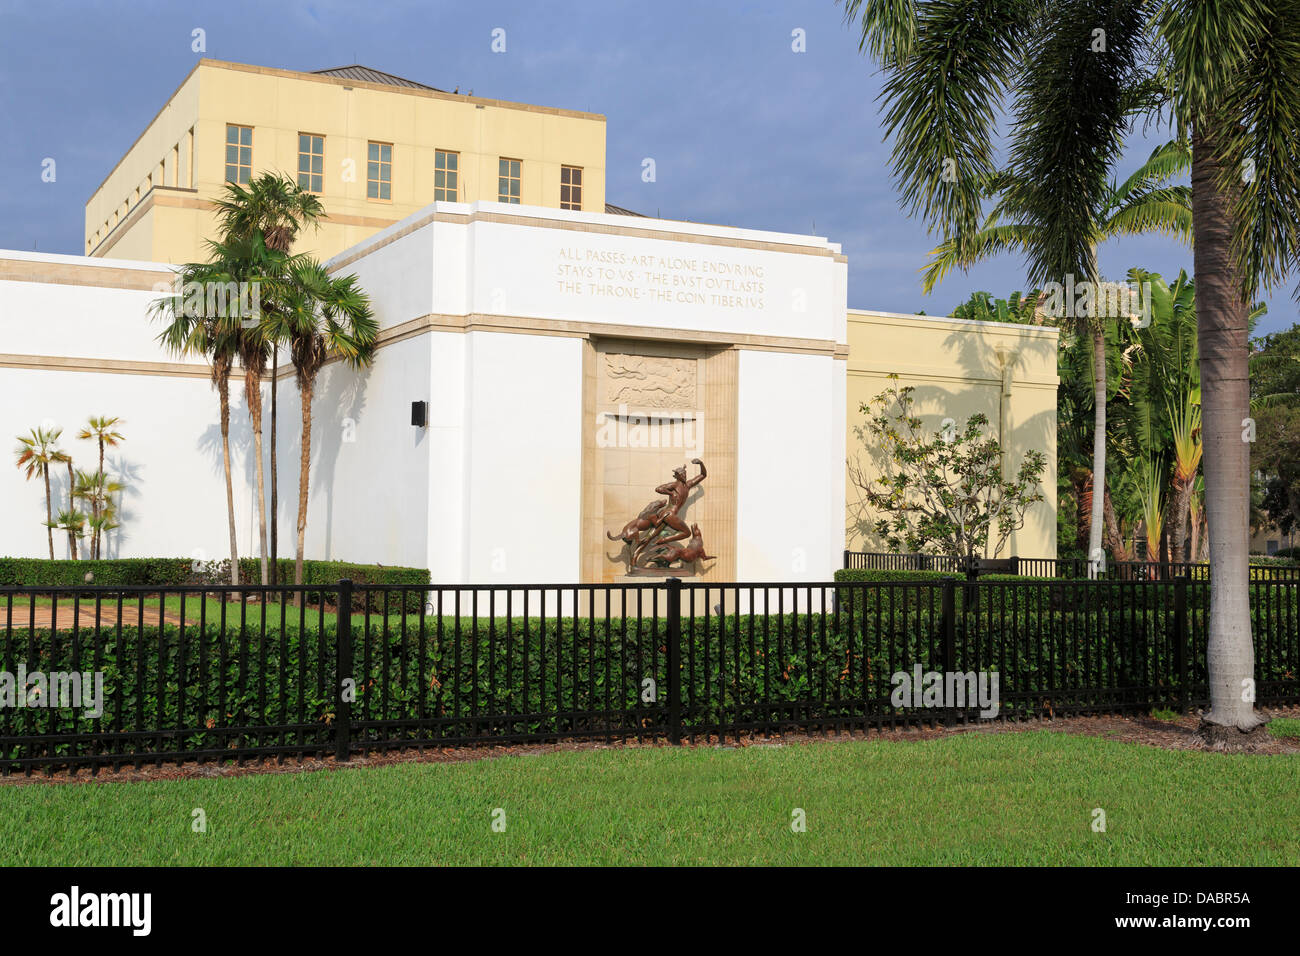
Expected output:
(1021, 309)
(943, 490)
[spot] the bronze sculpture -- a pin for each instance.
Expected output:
(663, 555)
(650, 535)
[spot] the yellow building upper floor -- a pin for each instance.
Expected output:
(373, 147)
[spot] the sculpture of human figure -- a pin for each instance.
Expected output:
(677, 491)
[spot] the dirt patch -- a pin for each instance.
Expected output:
(82, 614)
(1178, 734)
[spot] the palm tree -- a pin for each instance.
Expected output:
(216, 339)
(35, 453)
(320, 317)
(1234, 67)
(102, 430)
(1151, 491)
(1163, 388)
(1230, 70)
(276, 208)
(1142, 203)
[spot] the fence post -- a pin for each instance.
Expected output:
(1015, 564)
(343, 648)
(1182, 635)
(846, 558)
(674, 660)
(948, 618)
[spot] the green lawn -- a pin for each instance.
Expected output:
(1013, 798)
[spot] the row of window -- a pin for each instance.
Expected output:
(379, 170)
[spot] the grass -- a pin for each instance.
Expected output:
(1012, 798)
(1284, 727)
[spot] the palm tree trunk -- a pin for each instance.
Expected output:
(72, 531)
(1098, 447)
(94, 507)
(49, 513)
(223, 393)
(275, 472)
(1180, 519)
(1221, 318)
(1114, 539)
(306, 390)
(253, 397)
(1083, 508)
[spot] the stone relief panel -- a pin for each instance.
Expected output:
(650, 381)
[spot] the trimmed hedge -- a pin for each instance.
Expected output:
(560, 676)
(181, 572)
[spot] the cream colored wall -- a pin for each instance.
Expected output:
(151, 153)
(956, 369)
(280, 104)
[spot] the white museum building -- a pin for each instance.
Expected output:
(568, 362)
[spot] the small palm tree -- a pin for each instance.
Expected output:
(73, 523)
(36, 452)
(1151, 491)
(98, 490)
(103, 431)
(321, 317)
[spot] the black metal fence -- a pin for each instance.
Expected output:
(282, 672)
(1054, 567)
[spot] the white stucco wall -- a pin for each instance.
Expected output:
(491, 490)
(790, 510)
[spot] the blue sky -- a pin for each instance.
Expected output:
(743, 130)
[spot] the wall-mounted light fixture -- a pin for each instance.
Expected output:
(419, 414)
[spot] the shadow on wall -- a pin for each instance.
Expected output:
(241, 460)
(338, 414)
(980, 363)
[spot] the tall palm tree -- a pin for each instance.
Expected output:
(1231, 72)
(321, 317)
(102, 430)
(276, 208)
(1144, 202)
(216, 339)
(36, 452)
(1234, 68)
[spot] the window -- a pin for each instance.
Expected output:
(508, 180)
(446, 175)
(379, 172)
(570, 187)
(239, 153)
(311, 162)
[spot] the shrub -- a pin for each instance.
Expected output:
(184, 572)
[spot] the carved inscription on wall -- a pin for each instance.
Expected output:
(650, 381)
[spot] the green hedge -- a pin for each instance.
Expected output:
(477, 673)
(177, 572)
